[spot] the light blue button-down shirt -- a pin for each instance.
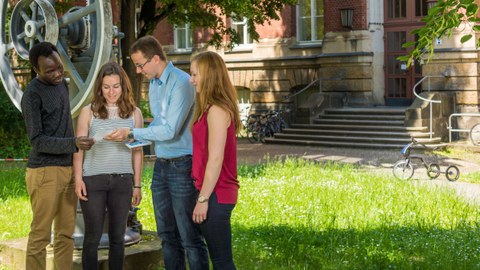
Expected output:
(171, 103)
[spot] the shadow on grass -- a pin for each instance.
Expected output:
(251, 171)
(284, 247)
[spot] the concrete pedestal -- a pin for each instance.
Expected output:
(147, 254)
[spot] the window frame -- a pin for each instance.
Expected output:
(313, 22)
(188, 36)
(246, 36)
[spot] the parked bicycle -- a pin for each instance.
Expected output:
(404, 169)
(260, 126)
(255, 128)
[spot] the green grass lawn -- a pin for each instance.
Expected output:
(304, 215)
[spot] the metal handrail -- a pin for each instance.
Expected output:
(301, 91)
(430, 101)
(320, 86)
(450, 128)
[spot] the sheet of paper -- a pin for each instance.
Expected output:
(100, 134)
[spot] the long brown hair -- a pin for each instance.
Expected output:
(215, 87)
(125, 103)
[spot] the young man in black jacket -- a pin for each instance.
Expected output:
(46, 111)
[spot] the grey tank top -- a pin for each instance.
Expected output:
(107, 157)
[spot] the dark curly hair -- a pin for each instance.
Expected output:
(41, 49)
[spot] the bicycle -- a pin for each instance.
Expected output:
(475, 134)
(403, 169)
(255, 128)
(260, 126)
(275, 123)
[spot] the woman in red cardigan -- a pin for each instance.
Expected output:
(214, 168)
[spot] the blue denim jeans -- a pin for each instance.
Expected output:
(174, 198)
(218, 233)
(114, 193)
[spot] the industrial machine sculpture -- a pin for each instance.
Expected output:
(83, 36)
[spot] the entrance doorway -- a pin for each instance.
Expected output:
(401, 17)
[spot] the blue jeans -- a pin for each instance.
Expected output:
(114, 193)
(174, 198)
(218, 233)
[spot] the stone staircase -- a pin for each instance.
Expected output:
(378, 127)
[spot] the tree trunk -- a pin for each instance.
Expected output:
(127, 26)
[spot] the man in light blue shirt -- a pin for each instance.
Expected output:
(174, 195)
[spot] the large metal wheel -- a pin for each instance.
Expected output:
(83, 36)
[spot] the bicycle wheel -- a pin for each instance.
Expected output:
(475, 134)
(262, 133)
(452, 173)
(433, 171)
(403, 170)
(253, 137)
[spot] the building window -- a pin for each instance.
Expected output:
(183, 37)
(421, 8)
(309, 20)
(397, 9)
(241, 28)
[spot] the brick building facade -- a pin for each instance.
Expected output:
(349, 65)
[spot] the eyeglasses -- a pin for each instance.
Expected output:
(142, 65)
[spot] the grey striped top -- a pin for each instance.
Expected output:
(107, 157)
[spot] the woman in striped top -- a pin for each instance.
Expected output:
(108, 176)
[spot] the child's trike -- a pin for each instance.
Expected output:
(403, 169)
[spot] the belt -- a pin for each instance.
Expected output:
(174, 159)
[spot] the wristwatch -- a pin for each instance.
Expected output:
(130, 134)
(202, 199)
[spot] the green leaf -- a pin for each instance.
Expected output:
(472, 9)
(415, 31)
(403, 58)
(408, 44)
(434, 10)
(465, 38)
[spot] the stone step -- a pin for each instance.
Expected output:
(332, 143)
(372, 127)
(363, 117)
(342, 144)
(147, 254)
(359, 127)
(355, 139)
(344, 132)
(376, 111)
(359, 122)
